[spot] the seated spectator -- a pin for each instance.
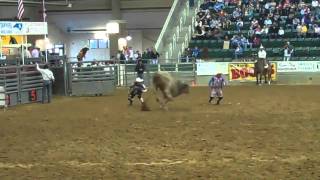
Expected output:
(317, 31)
(268, 22)
(218, 6)
(258, 31)
(226, 43)
(238, 52)
(265, 31)
(299, 30)
(295, 22)
(202, 32)
(239, 25)
(281, 33)
(217, 33)
(236, 14)
(273, 31)
(196, 53)
(245, 42)
(254, 24)
(256, 42)
(304, 30)
(249, 13)
(314, 4)
(235, 41)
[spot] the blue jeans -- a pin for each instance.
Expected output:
(47, 91)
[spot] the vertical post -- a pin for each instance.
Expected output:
(18, 72)
(113, 38)
(194, 71)
(1, 47)
(125, 73)
(22, 53)
(65, 77)
(45, 35)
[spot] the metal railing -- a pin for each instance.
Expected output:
(177, 30)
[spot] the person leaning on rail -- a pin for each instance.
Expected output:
(48, 79)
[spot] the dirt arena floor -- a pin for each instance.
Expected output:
(269, 132)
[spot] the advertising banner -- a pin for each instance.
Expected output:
(298, 66)
(211, 68)
(23, 28)
(245, 71)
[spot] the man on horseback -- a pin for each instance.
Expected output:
(262, 56)
(262, 67)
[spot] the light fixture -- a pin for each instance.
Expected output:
(122, 42)
(47, 43)
(128, 38)
(112, 28)
(100, 35)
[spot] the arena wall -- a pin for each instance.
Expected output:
(297, 78)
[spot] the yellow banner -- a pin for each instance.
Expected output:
(245, 71)
(6, 40)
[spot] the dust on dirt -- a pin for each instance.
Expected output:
(269, 132)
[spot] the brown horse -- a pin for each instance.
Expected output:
(81, 55)
(263, 68)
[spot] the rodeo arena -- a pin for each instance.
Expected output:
(159, 89)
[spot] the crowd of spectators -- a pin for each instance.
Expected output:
(262, 18)
(268, 18)
(131, 56)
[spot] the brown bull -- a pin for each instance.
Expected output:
(169, 87)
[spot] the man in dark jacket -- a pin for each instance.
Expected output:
(140, 68)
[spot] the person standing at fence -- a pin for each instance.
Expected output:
(35, 52)
(140, 68)
(154, 56)
(48, 79)
(288, 50)
(216, 84)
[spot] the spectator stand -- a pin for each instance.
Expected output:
(270, 23)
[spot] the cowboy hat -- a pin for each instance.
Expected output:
(139, 80)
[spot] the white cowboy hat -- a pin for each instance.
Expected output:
(139, 79)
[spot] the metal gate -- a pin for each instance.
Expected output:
(90, 78)
(22, 84)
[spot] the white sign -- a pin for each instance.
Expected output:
(211, 68)
(23, 28)
(298, 66)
